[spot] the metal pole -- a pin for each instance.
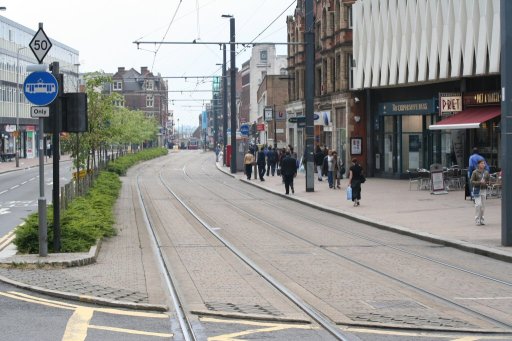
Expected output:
(309, 92)
(16, 144)
(41, 201)
(233, 93)
(275, 127)
(57, 113)
(224, 104)
(506, 122)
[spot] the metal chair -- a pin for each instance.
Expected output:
(414, 178)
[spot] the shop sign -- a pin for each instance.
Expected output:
(420, 107)
(449, 103)
(260, 127)
(10, 128)
(472, 99)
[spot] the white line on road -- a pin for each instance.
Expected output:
(24, 182)
(4, 192)
(14, 187)
(483, 298)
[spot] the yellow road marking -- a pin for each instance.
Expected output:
(7, 239)
(78, 324)
(130, 331)
(267, 328)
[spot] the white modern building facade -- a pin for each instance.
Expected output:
(15, 55)
(429, 71)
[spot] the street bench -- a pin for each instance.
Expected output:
(7, 156)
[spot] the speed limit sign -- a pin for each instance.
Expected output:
(40, 44)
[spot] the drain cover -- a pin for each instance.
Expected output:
(243, 308)
(410, 320)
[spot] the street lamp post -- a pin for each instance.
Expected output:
(179, 144)
(232, 89)
(17, 145)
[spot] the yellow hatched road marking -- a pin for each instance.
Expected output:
(130, 331)
(7, 239)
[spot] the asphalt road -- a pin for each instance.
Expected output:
(19, 192)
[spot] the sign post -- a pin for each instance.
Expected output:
(40, 45)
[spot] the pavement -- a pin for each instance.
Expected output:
(119, 272)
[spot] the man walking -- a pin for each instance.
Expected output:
(261, 164)
(289, 171)
(474, 159)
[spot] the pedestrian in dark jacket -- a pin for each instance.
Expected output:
(261, 164)
(354, 181)
(289, 171)
(319, 161)
(271, 161)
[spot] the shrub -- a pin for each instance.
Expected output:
(87, 218)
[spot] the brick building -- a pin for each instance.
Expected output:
(145, 92)
(339, 111)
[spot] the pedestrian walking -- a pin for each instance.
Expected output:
(271, 161)
(330, 169)
(474, 159)
(261, 164)
(339, 170)
(354, 181)
(319, 161)
(479, 181)
(248, 162)
(289, 171)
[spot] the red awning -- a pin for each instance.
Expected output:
(469, 118)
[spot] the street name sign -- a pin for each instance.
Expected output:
(36, 112)
(40, 88)
(40, 45)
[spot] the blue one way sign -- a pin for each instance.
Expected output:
(40, 88)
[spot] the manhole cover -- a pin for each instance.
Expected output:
(410, 320)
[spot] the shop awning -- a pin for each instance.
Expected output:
(468, 119)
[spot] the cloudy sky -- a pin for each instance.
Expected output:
(104, 31)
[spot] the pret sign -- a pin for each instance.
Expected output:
(40, 45)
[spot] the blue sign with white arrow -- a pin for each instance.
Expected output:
(40, 88)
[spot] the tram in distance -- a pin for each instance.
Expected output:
(193, 143)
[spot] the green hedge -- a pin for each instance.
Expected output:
(121, 165)
(87, 218)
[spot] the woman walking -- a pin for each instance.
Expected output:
(354, 181)
(479, 181)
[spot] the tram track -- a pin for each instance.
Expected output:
(305, 218)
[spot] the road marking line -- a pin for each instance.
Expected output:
(130, 331)
(78, 323)
(24, 182)
(14, 187)
(7, 239)
(53, 305)
(43, 300)
(483, 298)
(4, 192)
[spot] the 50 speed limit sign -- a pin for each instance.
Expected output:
(40, 45)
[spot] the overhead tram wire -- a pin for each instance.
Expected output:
(165, 34)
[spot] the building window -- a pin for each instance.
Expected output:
(119, 103)
(117, 86)
(148, 84)
(150, 101)
(350, 70)
(349, 16)
(263, 56)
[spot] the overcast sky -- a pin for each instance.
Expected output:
(104, 31)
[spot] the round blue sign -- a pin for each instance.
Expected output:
(40, 88)
(244, 129)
